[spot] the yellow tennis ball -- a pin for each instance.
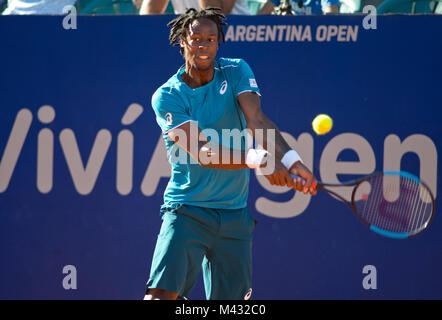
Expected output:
(322, 124)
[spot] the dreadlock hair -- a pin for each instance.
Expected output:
(181, 24)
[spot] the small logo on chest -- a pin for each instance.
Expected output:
(223, 87)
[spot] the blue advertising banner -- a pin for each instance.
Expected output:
(83, 167)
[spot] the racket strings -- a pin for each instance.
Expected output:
(397, 221)
(394, 203)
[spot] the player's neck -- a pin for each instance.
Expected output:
(196, 78)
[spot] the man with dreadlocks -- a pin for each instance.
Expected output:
(205, 217)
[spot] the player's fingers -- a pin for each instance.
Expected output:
(308, 185)
(283, 178)
(278, 179)
(271, 180)
(312, 189)
(289, 182)
(286, 179)
(298, 184)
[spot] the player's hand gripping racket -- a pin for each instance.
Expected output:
(393, 204)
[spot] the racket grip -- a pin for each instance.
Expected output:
(296, 177)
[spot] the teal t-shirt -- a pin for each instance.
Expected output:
(213, 107)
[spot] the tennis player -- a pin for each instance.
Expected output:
(206, 222)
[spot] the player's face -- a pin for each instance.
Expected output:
(201, 44)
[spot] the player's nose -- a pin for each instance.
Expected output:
(204, 44)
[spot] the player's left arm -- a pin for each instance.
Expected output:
(250, 104)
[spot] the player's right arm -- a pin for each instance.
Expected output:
(175, 121)
(192, 139)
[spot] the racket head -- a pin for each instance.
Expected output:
(395, 204)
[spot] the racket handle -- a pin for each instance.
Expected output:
(296, 177)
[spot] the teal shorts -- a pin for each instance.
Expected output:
(217, 240)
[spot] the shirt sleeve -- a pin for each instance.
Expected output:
(170, 113)
(246, 81)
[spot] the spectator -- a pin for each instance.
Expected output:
(137, 3)
(304, 7)
(268, 6)
(227, 6)
(2, 5)
(316, 6)
(107, 7)
(37, 6)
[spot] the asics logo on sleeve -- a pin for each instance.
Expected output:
(253, 83)
(223, 87)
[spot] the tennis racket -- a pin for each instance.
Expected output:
(394, 204)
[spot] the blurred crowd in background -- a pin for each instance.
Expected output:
(239, 7)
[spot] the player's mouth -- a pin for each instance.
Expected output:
(203, 57)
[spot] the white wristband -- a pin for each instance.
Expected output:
(256, 157)
(290, 158)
